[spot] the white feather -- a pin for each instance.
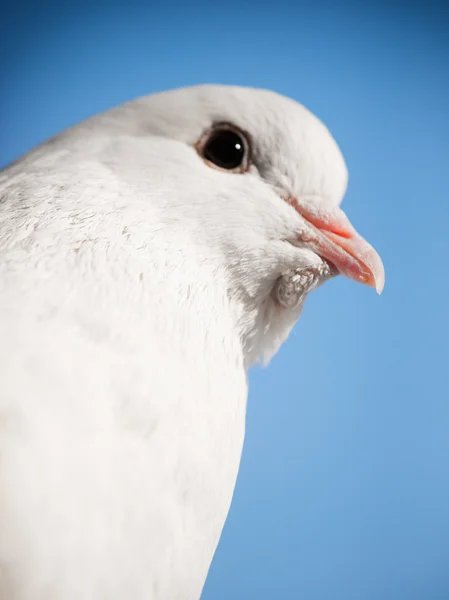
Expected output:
(135, 290)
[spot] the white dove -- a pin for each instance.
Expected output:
(148, 257)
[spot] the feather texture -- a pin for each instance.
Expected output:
(135, 292)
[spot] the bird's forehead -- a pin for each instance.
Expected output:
(292, 148)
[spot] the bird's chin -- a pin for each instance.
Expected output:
(294, 285)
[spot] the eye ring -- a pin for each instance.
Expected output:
(225, 147)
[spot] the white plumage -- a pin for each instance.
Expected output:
(138, 284)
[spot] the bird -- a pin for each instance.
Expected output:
(149, 256)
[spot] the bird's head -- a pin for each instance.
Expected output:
(266, 179)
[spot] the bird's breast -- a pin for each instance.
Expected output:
(125, 422)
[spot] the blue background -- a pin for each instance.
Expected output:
(344, 485)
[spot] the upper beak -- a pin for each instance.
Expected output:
(330, 235)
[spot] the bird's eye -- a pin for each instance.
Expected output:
(225, 148)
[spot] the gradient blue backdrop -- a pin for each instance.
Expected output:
(343, 492)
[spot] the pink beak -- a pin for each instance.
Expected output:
(331, 235)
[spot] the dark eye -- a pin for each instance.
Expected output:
(226, 148)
